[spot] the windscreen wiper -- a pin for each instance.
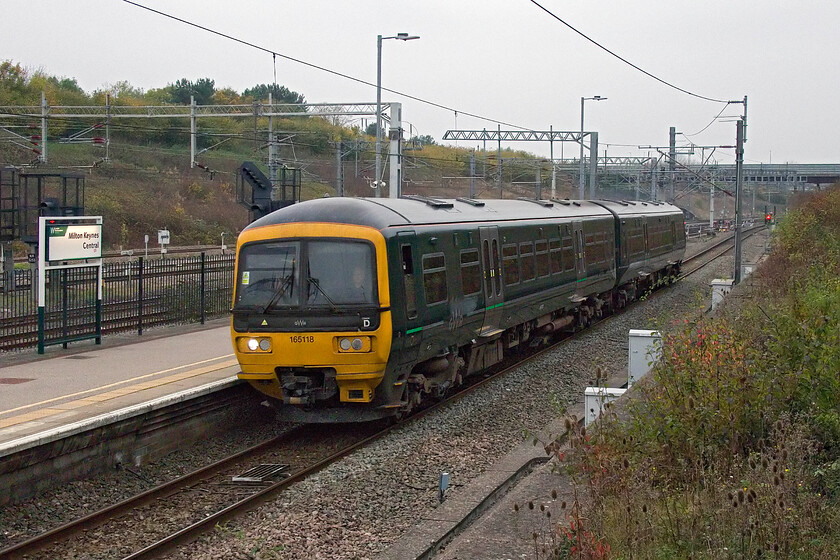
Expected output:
(314, 282)
(288, 284)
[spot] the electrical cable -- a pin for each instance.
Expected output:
(323, 69)
(708, 125)
(624, 60)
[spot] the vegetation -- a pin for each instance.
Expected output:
(731, 447)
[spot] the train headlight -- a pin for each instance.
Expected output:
(255, 344)
(354, 344)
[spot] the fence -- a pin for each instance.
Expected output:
(136, 294)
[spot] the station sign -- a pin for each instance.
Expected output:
(67, 242)
(163, 237)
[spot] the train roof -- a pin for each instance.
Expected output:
(382, 213)
(629, 208)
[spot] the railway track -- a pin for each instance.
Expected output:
(206, 481)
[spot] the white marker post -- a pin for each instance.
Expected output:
(163, 240)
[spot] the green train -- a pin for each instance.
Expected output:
(356, 309)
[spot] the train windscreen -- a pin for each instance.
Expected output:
(268, 276)
(340, 273)
(309, 273)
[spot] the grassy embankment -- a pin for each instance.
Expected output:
(731, 447)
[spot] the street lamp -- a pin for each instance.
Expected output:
(379, 38)
(582, 99)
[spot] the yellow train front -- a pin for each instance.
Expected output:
(311, 324)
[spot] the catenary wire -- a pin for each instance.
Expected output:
(624, 60)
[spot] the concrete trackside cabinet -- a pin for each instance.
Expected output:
(645, 347)
(594, 399)
(720, 289)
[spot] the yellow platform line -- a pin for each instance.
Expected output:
(117, 383)
(116, 393)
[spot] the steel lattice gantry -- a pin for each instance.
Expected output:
(549, 136)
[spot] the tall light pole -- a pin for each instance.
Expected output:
(581, 193)
(379, 38)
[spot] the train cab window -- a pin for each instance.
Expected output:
(269, 275)
(556, 246)
(340, 273)
(408, 281)
(470, 272)
(510, 264)
(526, 257)
(543, 265)
(434, 278)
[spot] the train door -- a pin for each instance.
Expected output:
(492, 275)
(411, 282)
(580, 249)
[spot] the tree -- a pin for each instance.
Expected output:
(424, 140)
(202, 90)
(279, 94)
(14, 85)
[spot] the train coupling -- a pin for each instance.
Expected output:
(307, 386)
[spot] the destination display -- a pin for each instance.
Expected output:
(73, 242)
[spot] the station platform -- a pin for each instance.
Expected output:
(44, 398)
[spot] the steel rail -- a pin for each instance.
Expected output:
(97, 518)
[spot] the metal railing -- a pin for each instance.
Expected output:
(136, 295)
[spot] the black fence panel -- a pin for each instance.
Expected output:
(136, 294)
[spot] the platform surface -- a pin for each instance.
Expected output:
(42, 394)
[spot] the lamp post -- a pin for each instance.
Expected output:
(582, 99)
(379, 39)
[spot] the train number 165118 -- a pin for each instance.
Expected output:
(301, 339)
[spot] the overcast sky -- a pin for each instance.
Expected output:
(507, 60)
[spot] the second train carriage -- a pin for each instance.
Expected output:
(353, 309)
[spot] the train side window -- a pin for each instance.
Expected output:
(543, 264)
(498, 264)
(408, 282)
(434, 278)
(489, 275)
(590, 253)
(556, 246)
(470, 272)
(510, 263)
(526, 256)
(568, 254)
